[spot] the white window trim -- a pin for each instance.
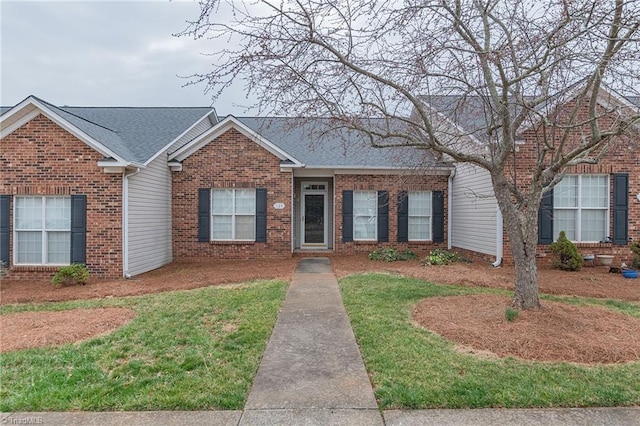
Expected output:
(43, 230)
(375, 218)
(430, 216)
(233, 216)
(578, 209)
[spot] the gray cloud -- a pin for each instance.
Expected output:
(104, 53)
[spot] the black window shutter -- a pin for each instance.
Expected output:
(261, 215)
(204, 214)
(437, 201)
(545, 219)
(79, 229)
(620, 208)
(383, 216)
(5, 228)
(347, 216)
(403, 217)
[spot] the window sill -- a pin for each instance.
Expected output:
(36, 268)
(232, 243)
(593, 245)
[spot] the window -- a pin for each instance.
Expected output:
(233, 214)
(365, 208)
(419, 215)
(581, 207)
(42, 230)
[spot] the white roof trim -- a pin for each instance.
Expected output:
(228, 123)
(166, 147)
(356, 170)
(29, 108)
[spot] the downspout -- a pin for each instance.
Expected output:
(499, 238)
(449, 207)
(125, 221)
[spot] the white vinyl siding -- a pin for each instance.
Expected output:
(365, 215)
(474, 211)
(149, 218)
(581, 207)
(233, 213)
(42, 227)
(419, 215)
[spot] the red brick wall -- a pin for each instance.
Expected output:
(40, 158)
(623, 156)
(231, 160)
(392, 184)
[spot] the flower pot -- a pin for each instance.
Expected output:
(630, 273)
(605, 259)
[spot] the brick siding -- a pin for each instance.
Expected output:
(41, 158)
(231, 160)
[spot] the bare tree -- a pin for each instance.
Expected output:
(538, 64)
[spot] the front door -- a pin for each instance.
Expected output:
(314, 211)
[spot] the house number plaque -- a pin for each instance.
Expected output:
(278, 206)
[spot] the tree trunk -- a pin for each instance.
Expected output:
(521, 224)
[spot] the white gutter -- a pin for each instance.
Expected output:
(499, 238)
(125, 222)
(450, 207)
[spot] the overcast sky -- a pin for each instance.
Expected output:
(104, 53)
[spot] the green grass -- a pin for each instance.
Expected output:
(187, 350)
(412, 368)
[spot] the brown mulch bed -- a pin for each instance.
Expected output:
(35, 329)
(556, 332)
(582, 323)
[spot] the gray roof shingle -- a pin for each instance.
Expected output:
(317, 143)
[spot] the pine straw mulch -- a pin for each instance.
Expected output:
(556, 332)
(36, 329)
(548, 332)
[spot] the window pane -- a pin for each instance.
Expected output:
(28, 213)
(222, 201)
(245, 201)
(565, 220)
(420, 203)
(29, 247)
(565, 193)
(222, 227)
(58, 213)
(419, 228)
(364, 228)
(365, 203)
(245, 228)
(594, 191)
(593, 225)
(58, 247)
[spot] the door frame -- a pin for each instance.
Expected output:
(324, 192)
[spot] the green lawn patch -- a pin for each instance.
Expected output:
(413, 368)
(187, 350)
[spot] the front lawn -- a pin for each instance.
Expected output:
(186, 350)
(413, 368)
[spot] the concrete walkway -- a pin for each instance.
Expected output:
(312, 371)
(312, 374)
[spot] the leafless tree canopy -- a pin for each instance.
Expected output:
(512, 62)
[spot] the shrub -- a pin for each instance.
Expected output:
(391, 255)
(443, 257)
(511, 314)
(75, 274)
(635, 248)
(566, 253)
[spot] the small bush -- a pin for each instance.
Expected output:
(443, 257)
(511, 314)
(76, 274)
(635, 248)
(391, 255)
(567, 256)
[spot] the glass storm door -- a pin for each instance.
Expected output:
(314, 209)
